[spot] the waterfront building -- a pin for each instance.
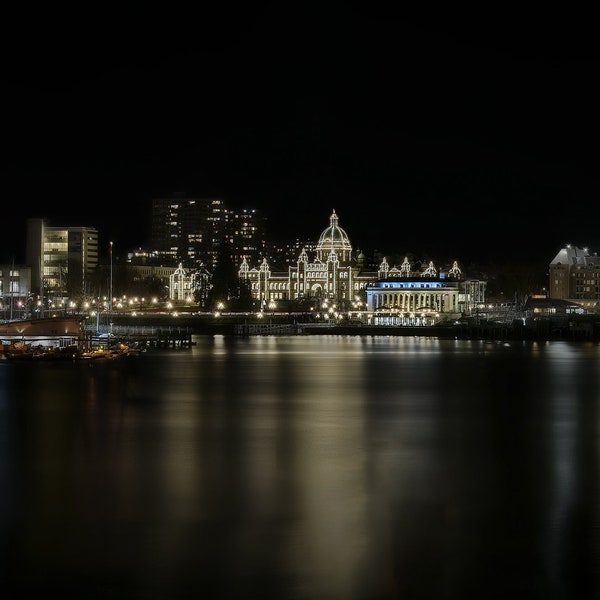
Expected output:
(189, 285)
(335, 280)
(330, 275)
(62, 259)
(147, 275)
(575, 276)
(404, 297)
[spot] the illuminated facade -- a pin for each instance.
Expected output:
(185, 286)
(575, 276)
(62, 259)
(334, 277)
(246, 234)
(331, 275)
(15, 287)
(189, 230)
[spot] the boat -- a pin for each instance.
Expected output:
(30, 337)
(49, 326)
(17, 350)
(121, 350)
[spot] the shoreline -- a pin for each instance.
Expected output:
(539, 329)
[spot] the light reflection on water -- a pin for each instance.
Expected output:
(304, 467)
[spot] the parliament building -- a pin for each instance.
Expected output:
(335, 280)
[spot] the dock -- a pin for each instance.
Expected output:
(265, 329)
(141, 336)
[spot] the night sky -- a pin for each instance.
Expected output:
(469, 136)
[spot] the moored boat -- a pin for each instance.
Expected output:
(40, 336)
(51, 326)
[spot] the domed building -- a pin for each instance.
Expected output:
(334, 240)
(330, 275)
(334, 277)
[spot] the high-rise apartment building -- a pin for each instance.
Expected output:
(187, 229)
(246, 230)
(62, 259)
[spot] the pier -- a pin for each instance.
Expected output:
(266, 329)
(141, 336)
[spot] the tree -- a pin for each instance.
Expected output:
(225, 280)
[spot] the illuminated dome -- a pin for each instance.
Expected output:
(334, 239)
(334, 236)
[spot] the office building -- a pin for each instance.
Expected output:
(63, 260)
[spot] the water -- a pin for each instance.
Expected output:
(319, 467)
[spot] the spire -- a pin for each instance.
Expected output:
(333, 219)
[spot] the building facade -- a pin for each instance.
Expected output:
(62, 259)
(189, 286)
(574, 275)
(329, 275)
(333, 277)
(246, 233)
(189, 231)
(15, 291)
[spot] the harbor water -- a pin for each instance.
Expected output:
(332, 467)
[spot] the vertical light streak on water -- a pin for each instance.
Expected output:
(561, 389)
(572, 390)
(330, 535)
(402, 436)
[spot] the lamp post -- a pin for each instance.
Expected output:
(110, 295)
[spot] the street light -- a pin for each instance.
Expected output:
(110, 296)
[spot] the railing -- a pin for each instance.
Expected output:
(266, 329)
(129, 330)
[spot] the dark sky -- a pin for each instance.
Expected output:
(469, 136)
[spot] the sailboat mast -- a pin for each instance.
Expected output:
(41, 288)
(10, 288)
(110, 297)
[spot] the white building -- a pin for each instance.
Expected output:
(331, 275)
